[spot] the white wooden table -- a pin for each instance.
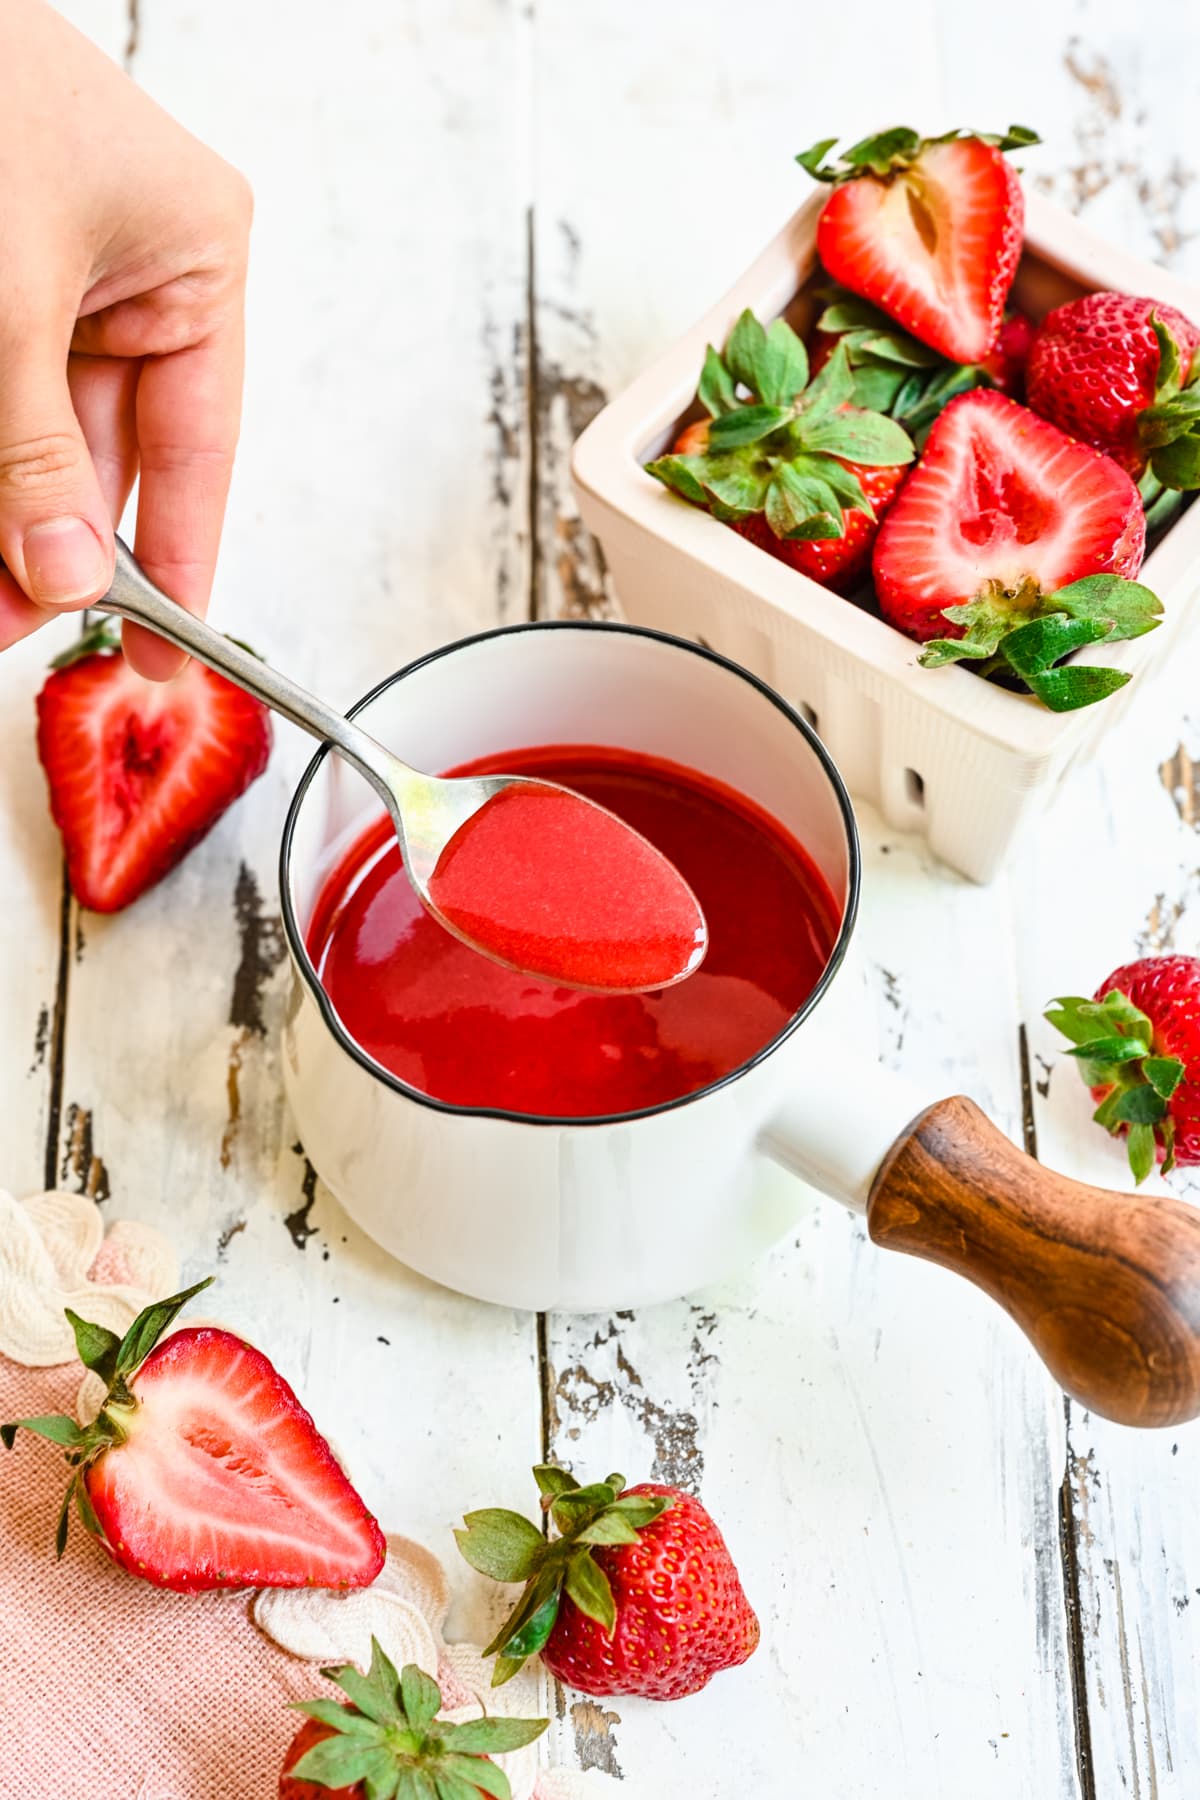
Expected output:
(475, 218)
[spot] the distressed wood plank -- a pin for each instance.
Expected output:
(894, 1508)
(378, 508)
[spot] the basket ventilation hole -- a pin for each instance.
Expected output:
(914, 787)
(808, 715)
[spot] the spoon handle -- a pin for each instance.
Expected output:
(134, 596)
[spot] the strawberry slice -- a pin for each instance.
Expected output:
(1010, 545)
(202, 1469)
(930, 229)
(140, 770)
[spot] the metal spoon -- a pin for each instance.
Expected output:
(426, 810)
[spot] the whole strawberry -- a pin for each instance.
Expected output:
(388, 1743)
(1138, 1049)
(202, 1469)
(929, 229)
(139, 771)
(1121, 373)
(788, 462)
(1011, 547)
(636, 1595)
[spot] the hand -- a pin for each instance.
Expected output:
(121, 333)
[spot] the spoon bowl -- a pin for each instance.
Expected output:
(527, 873)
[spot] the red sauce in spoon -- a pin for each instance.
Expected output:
(550, 883)
(452, 1024)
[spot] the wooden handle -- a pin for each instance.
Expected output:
(1106, 1286)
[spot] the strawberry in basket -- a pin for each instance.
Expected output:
(1122, 373)
(929, 229)
(788, 462)
(1012, 547)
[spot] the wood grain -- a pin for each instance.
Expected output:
(897, 1510)
(1106, 1286)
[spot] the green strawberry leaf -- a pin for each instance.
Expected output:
(339, 1762)
(553, 1481)
(1141, 1149)
(611, 1527)
(682, 473)
(735, 485)
(501, 1544)
(1031, 649)
(1164, 1073)
(527, 1628)
(860, 437)
(1139, 1105)
(149, 1326)
(1111, 1050)
(339, 1717)
(841, 482)
(104, 636)
(64, 1516)
(420, 1696)
(484, 1777)
(782, 371)
(85, 1509)
(897, 347)
(98, 1347)
(850, 313)
(588, 1586)
(1170, 376)
(716, 391)
(449, 1785)
(1066, 690)
(54, 1426)
(495, 1737)
(878, 387)
(748, 425)
(802, 506)
(1126, 608)
(812, 159)
(888, 151)
(1177, 465)
(830, 389)
(744, 350)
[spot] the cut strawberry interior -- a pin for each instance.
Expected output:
(140, 770)
(1012, 544)
(223, 1479)
(1003, 498)
(930, 230)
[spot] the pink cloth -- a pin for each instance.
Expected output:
(111, 1689)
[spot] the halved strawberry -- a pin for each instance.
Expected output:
(786, 461)
(202, 1469)
(930, 229)
(1010, 546)
(140, 770)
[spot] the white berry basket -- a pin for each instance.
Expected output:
(941, 751)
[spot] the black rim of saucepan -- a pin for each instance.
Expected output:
(355, 1050)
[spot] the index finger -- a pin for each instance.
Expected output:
(189, 406)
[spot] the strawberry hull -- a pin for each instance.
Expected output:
(941, 752)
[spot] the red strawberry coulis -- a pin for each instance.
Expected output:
(544, 880)
(463, 1029)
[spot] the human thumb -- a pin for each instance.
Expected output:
(55, 534)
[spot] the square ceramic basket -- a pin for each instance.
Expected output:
(938, 751)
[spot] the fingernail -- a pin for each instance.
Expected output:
(65, 562)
